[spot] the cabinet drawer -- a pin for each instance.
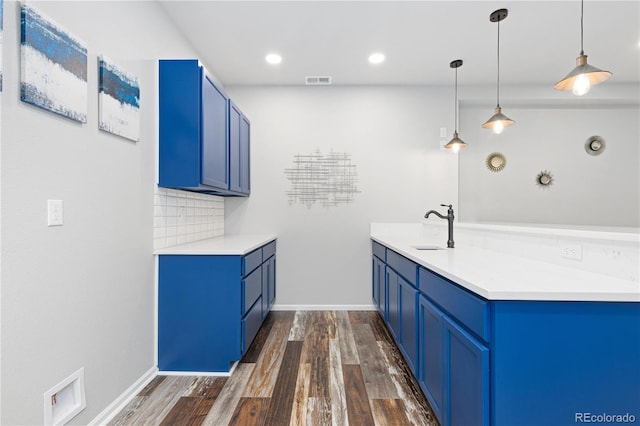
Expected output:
(251, 289)
(468, 309)
(379, 251)
(269, 250)
(250, 325)
(251, 261)
(403, 266)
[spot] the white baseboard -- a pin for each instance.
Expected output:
(200, 373)
(278, 307)
(120, 402)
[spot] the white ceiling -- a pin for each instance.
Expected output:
(539, 40)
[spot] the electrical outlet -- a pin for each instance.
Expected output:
(571, 251)
(54, 213)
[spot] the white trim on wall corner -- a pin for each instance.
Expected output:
(120, 402)
(278, 307)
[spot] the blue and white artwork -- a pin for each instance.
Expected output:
(54, 67)
(1, 20)
(118, 101)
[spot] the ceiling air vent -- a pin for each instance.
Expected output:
(317, 80)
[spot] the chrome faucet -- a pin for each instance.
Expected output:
(449, 218)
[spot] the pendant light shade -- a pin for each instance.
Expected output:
(583, 76)
(456, 143)
(498, 120)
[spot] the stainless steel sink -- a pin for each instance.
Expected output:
(428, 247)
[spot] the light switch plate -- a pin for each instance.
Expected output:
(54, 213)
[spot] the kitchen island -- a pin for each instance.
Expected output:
(501, 339)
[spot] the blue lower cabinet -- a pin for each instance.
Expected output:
(466, 375)
(251, 324)
(430, 344)
(393, 303)
(268, 285)
(210, 308)
(408, 322)
(379, 288)
(199, 313)
(402, 299)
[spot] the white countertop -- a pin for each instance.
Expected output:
(224, 245)
(500, 276)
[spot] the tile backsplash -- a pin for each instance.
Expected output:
(182, 217)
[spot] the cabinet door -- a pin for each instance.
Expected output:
(408, 322)
(179, 102)
(430, 365)
(271, 281)
(375, 281)
(268, 284)
(215, 152)
(466, 377)
(239, 167)
(245, 157)
(393, 303)
(234, 148)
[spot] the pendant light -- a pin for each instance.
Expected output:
(583, 76)
(456, 143)
(498, 120)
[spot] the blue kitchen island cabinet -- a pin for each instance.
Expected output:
(379, 291)
(517, 362)
(430, 358)
(210, 307)
(401, 275)
(199, 149)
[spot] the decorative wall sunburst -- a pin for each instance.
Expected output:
(594, 145)
(544, 179)
(496, 162)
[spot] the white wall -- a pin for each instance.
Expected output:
(549, 134)
(80, 295)
(392, 134)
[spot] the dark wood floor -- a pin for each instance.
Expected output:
(304, 368)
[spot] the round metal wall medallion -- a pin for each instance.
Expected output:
(496, 162)
(544, 179)
(594, 145)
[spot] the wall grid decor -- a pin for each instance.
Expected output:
(316, 178)
(118, 101)
(53, 68)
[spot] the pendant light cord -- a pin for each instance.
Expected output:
(498, 85)
(455, 104)
(582, 28)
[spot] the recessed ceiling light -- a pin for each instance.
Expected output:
(273, 58)
(376, 58)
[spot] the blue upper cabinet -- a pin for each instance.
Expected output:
(239, 134)
(215, 145)
(202, 144)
